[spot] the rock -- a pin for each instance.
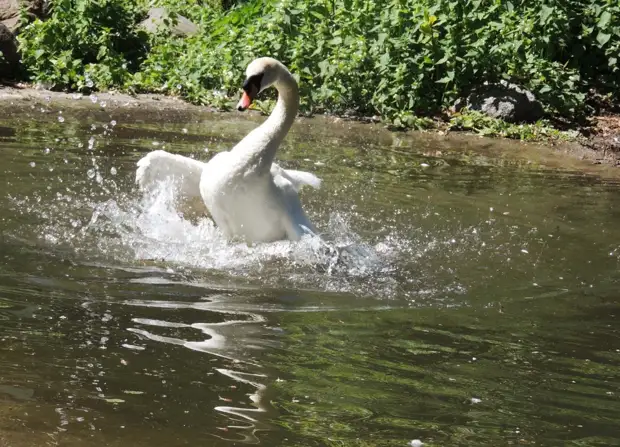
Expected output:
(504, 100)
(9, 9)
(157, 18)
(9, 65)
(9, 24)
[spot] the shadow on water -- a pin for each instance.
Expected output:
(477, 305)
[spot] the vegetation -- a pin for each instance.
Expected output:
(491, 127)
(399, 59)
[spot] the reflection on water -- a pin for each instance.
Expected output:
(456, 298)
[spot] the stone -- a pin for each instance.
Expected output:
(9, 65)
(157, 18)
(9, 9)
(505, 101)
(9, 24)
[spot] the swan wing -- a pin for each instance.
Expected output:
(298, 179)
(160, 165)
(293, 217)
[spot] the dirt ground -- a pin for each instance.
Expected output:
(605, 138)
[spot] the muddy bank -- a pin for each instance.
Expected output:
(598, 154)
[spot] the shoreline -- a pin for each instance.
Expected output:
(602, 147)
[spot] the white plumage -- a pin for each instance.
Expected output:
(247, 195)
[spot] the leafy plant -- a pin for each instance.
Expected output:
(399, 59)
(84, 44)
(484, 125)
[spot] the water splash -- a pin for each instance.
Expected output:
(103, 219)
(156, 228)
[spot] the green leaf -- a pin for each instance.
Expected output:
(384, 60)
(602, 38)
(604, 19)
(426, 28)
(545, 13)
(323, 65)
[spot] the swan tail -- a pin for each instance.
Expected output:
(158, 166)
(298, 179)
(302, 178)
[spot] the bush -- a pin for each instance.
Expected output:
(85, 44)
(394, 58)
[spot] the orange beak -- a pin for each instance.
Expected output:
(245, 102)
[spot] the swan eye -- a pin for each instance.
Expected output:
(252, 85)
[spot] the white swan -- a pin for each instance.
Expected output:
(247, 195)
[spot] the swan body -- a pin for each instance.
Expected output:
(247, 194)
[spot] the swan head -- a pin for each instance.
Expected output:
(261, 74)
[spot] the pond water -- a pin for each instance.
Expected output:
(484, 312)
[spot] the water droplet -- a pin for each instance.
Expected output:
(113, 122)
(93, 98)
(184, 130)
(113, 170)
(91, 173)
(32, 164)
(46, 150)
(103, 103)
(61, 119)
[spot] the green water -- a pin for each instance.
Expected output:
(487, 313)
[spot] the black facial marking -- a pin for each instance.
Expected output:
(252, 84)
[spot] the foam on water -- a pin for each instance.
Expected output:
(105, 221)
(153, 228)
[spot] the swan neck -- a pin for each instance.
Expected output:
(263, 142)
(284, 113)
